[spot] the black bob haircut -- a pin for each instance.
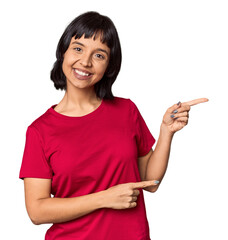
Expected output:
(90, 23)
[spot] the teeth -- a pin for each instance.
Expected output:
(81, 73)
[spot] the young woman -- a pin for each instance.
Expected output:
(93, 151)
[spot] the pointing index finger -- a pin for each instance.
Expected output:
(144, 184)
(196, 101)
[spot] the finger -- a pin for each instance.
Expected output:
(136, 192)
(182, 109)
(132, 204)
(174, 107)
(195, 101)
(178, 115)
(182, 119)
(134, 198)
(144, 184)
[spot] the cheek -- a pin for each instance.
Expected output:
(69, 57)
(67, 63)
(102, 68)
(101, 71)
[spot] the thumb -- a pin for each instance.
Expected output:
(144, 184)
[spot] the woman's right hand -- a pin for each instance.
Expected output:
(124, 195)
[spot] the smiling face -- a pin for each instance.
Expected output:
(85, 61)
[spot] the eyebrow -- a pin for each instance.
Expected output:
(99, 49)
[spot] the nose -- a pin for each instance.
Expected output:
(86, 61)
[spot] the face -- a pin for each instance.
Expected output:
(85, 61)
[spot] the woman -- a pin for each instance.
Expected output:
(93, 151)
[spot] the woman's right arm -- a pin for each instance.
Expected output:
(42, 208)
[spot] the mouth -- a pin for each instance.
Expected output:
(82, 72)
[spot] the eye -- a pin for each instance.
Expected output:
(100, 56)
(78, 49)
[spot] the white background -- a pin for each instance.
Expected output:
(172, 51)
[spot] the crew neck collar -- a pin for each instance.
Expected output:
(77, 118)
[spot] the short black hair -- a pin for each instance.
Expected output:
(90, 23)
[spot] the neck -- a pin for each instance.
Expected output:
(76, 97)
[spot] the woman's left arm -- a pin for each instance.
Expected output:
(175, 118)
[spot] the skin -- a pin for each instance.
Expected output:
(154, 164)
(80, 99)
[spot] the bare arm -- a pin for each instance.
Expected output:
(175, 118)
(42, 208)
(158, 161)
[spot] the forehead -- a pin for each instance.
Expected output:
(90, 42)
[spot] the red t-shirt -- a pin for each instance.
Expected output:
(87, 154)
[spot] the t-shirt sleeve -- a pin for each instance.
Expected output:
(144, 138)
(34, 163)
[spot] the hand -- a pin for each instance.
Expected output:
(124, 195)
(176, 117)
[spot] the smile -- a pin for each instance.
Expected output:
(82, 73)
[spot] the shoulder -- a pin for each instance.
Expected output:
(41, 121)
(125, 105)
(120, 99)
(125, 102)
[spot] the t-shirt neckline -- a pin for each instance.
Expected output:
(77, 118)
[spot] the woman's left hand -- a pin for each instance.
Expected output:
(176, 117)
